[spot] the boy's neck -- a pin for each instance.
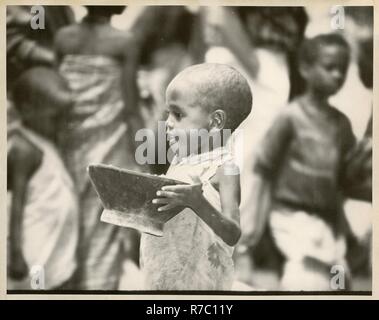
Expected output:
(207, 148)
(315, 99)
(218, 141)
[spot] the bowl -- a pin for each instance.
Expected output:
(127, 196)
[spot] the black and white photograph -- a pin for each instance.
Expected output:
(189, 149)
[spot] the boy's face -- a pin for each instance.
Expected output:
(327, 74)
(184, 112)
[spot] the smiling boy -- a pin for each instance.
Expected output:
(195, 252)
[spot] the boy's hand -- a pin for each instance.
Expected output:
(179, 195)
(18, 268)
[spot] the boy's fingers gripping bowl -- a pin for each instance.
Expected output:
(127, 198)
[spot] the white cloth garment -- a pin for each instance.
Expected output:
(50, 218)
(300, 235)
(189, 255)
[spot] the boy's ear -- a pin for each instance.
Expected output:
(218, 119)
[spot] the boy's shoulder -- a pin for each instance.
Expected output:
(339, 120)
(24, 151)
(289, 111)
(295, 108)
(338, 115)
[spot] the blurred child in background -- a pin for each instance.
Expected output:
(99, 62)
(28, 47)
(165, 51)
(358, 185)
(302, 164)
(43, 212)
(259, 42)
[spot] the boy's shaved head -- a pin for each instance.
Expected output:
(217, 86)
(310, 49)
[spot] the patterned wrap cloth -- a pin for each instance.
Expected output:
(190, 256)
(95, 132)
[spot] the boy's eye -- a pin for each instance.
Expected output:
(177, 115)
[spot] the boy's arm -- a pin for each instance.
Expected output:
(235, 37)
(356, 171)
(272, 149)
(267, 163)
(23, 162)
(226, 223)
(258, 207)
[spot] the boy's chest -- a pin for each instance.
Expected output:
(186, 172)
(186, 227)
(318, 143)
